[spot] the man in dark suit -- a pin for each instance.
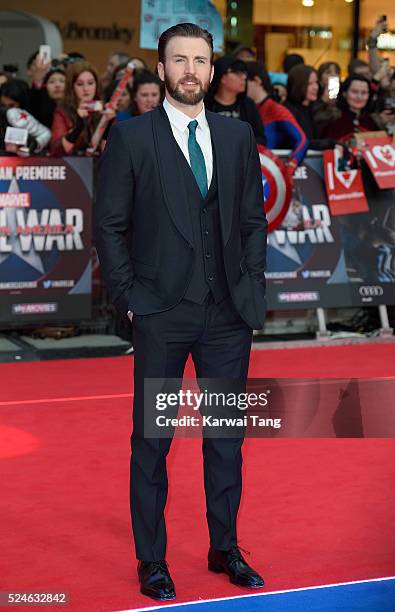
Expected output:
(181, 237)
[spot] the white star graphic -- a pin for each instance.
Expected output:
(31, 257)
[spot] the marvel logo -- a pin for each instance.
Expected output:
(14, 200)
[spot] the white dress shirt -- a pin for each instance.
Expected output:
(179, 126)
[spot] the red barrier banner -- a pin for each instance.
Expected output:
(344, 188)
(379, 154)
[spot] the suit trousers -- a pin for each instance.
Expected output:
(219, 342)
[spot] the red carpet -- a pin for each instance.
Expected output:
(313, 512)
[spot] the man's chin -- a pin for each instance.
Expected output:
(189, 99)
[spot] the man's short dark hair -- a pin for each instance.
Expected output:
(291, 60)
(257, 69)
(355, 64)
(240, 48)
(187, 30)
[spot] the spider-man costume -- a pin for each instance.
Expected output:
(282, 131)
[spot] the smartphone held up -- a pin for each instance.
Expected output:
(333, 87)
(44, 53)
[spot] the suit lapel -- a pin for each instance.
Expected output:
(173, 186)
(224, 162)
(171, 178)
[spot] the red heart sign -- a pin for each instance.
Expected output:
(385, 154)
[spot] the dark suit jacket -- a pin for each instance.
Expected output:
(143, 232)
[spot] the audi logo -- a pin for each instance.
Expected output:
(371, 291)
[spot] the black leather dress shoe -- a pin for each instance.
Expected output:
(155, 580)
(231, 562)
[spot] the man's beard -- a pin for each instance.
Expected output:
(187, 97)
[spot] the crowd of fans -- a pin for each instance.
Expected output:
(310, 108)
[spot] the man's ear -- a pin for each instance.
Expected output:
(212, 73)
(161, 71)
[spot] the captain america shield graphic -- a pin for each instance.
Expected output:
(277, 187)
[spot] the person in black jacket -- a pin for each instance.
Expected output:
(228, 94)
(182, 250)
(14, 93)
(303, 89)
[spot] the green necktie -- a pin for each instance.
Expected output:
(196, 159)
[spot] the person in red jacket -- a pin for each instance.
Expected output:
(281, 128)
(76, 119)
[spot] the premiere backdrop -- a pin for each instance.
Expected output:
(45, 239)
(315, 258)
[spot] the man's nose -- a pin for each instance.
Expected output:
(189, 67)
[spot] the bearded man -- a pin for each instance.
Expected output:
(181, 237)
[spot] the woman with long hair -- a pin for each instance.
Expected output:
(325, 110)
(326, 70)
(303, 91)
(77, 117)
(355, 103)
(146, 92)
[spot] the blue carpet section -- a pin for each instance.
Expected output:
(368, 596)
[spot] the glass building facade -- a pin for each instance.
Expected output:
(320, 30)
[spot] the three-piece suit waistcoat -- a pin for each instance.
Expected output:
(209, 271)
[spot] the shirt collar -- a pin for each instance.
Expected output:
(180, 120)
